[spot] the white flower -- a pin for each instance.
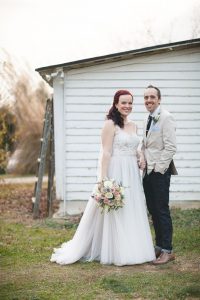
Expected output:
(118, 197)
(98, 194)
(156, 118)
(122, 190)
(108, 184)
(109, 195)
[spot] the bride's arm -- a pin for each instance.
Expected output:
(107, 136)
(140, 157)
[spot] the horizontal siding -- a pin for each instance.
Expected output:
(95, 139)
(139, 108)
(135, 76)
(103, 100)
(83, 116)
(93, 172)
(92, 131)
(175, 187)
(90, 124)
(103, 83)
(91, 180)
(109, 92)
(95, 147)
(88, 96)
(191, 196)
(92, 163)
(79, 155)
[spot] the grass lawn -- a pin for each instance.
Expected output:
(26, 273)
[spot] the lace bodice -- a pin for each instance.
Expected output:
(125, 143)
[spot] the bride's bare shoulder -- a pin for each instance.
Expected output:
(109, 124)
(108, 128)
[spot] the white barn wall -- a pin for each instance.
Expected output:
(88, 93)
(58, 86)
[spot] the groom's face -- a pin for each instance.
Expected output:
(151, 99)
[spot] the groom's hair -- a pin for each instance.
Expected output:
(157, 89)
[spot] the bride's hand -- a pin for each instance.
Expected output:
(142, 164)
(141, 160)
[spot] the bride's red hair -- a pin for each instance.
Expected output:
(113, 113)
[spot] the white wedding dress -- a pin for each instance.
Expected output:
(119, 237)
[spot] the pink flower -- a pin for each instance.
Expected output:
(106, 200)
(116, 194)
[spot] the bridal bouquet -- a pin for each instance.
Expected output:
(109, 195)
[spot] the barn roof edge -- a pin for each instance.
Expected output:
(119, 55)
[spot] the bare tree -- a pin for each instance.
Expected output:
(195, 21)
(24, 94)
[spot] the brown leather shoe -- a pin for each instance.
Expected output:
(157, 252)
(164, 258)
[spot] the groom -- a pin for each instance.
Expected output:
(158, 147)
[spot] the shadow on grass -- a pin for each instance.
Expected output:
(154, 286)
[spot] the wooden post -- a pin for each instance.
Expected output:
(51, 169)
(42, 158)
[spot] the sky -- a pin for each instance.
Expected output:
(48, 32)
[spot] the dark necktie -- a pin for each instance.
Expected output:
(149, 124)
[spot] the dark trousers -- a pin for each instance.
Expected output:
(156, 189)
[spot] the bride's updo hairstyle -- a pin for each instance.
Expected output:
(113, 113)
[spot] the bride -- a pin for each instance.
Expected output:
(119, 237)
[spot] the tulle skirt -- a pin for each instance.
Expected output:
(120, 237)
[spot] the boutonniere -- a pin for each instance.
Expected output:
(156, 118)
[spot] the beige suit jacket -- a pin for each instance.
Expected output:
(159, 146)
